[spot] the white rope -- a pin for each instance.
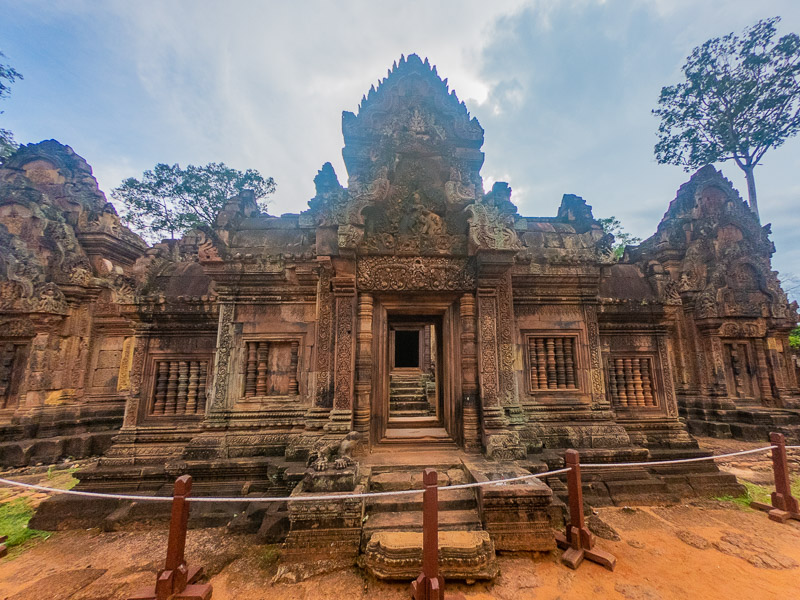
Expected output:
(676, 461)
(463, 486)
(277, 498)
(375, 494)
(793, 447)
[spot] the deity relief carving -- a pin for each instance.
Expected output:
(489, 229)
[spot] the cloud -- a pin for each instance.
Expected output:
(563, 88)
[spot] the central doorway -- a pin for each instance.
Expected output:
(414, 380)
(415, 384)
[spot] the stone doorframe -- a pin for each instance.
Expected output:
(444, 306)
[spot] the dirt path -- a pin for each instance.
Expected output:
(699, 551)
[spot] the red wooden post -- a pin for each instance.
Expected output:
(578, 543)
(784, 506)
(3, 548)
(430, 583)
(176, 581)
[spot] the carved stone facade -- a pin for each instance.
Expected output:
(239, 351)
(709, 262)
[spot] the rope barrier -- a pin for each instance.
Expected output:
(345, 496)
(676, 461)
(275, 498)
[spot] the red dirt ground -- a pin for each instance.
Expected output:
(698, 551)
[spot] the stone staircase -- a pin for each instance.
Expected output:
(744, 423)
(458, 509)
(391, 535)
(407, 398)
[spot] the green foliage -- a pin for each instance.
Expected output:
(171, 200)
(740, 98)
(622, 238)
(794, 337)
(757, 493)
(14, 517)
(269, 556)
(8, 75)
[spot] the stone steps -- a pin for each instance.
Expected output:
(449, 520)
(449, 500)
(416, 405)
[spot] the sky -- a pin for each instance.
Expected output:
(563, 88)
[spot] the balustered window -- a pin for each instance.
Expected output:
(180, 387)
(631, 382)
(553, 363)
(271, 368)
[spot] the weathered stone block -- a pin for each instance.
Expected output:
(397, 555)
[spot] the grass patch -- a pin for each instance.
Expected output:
(14, 517)
(757, 493)
(270, 556)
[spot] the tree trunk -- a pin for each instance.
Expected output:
(751, 189)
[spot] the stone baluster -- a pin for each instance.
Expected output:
(251, 370)
(201, 387)
(612, 381)
(172, 388)
(551, 364)
(619, 370)
(183, 386)
(561, 375)
(294, 387)
(533, 359)
(627, 374)
(162, 375)
(647, 382)
(541, 356)
(262, 369)
(191, 391)
(636, 374)
(569, 362)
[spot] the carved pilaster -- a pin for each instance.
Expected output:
(718, 384)
(361, 417)
(763, 371)
(507, 377)
(670, 398)
(469, 374)
(599, 400)
(344, 294)
(225, 337)
(323, 389)
(136, 374)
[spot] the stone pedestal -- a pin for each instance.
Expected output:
(515, 515)
(324, 535)
(397, 555)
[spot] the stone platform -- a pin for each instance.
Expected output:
(397, 555)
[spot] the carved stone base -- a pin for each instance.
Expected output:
(503, 445)
(517, 515)
(397, 555)
(331, 480)
(323, 534)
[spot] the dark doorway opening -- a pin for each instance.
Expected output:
(406, 349)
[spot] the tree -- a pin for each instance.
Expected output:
(741, 97)
(622, 238)
(171, 200)
(8, 75)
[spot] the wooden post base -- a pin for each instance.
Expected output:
(573, 557)
(775, 514)
(192, 591)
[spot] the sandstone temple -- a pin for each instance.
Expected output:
(409, 314)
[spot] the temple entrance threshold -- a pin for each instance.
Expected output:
(413, 403)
